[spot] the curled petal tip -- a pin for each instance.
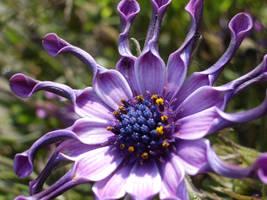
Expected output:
(21, 85)
(160, 4)
(53, 44)
(261, 164)
(22, 165)
(240, 24)
(128, 8)
(193, 6)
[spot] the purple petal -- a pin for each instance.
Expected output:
(66, 182)
(24, 87)
(113, 186)
(37, 184)
(172, 174)
(23, 163)
(179, 60)
(189, 86)
(158, 10)
(144, 181)
(128, 9)
(258, 169)
(240, 25)
(92, 130)
(197, 125)
(88, 104)
(150, 73)
(176, 73)
(213, 119)
(261, 166)
(256, 75)
(206, 97)
(209, 76)
(97, 164)
(126, 66)
(112, 87)
(54, 45)
(193, 155)
(182, 193)
(67, 151)
(229, 119)
(203, 98)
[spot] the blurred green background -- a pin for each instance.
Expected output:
(93, 25)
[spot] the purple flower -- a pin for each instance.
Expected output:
(141, 126)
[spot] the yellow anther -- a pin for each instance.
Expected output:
(178, 133)
(122, 146)
(121, 108)
(160, 101)
(144, 155)
(154, 97)
(140, 98)
(131, 149)
(165, 144)
(108, 128)
(159, 130)
(115, 113)
(164, 118)
(122, 100)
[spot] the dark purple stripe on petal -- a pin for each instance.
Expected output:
(144, 181)
(179, 60)
(111, 87)
(54, 46)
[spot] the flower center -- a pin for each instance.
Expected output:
(142, 127)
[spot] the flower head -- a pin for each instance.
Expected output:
(141, 126)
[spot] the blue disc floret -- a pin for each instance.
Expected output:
(142, 127)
